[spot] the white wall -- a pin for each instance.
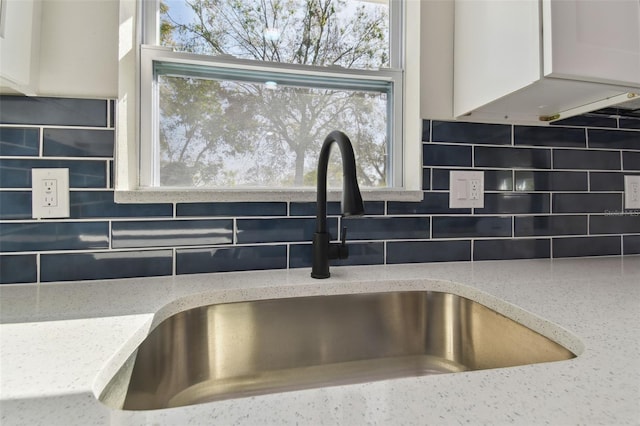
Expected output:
(79, 51)
(79, 48)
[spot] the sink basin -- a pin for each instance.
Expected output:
(239, 349)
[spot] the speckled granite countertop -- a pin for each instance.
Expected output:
(60, 342)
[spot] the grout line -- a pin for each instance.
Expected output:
(586, 137)
(288, 255)
(108, 175)
(41, 143)
(38, 267)
(384, 252)
(235, 232)
(174, 261)
(53, 126)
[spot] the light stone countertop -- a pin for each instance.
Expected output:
(61, 342)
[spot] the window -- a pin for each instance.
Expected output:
(239, 95)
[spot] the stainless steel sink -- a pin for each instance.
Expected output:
(239, 349)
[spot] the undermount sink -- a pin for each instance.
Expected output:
(247, 348)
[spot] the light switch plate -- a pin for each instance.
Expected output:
(466, 189)
(50, 193)
(632, 192)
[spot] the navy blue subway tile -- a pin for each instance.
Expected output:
(549, 136)
(92, 204)
(446, 155)
(433, 203)
(309, 209)
(226, 259)
(426, 130)
(53, 111)
(630, 123)
(428, 251)
(588, 120)
(19, 141)
(606, 181)
(529, 248)
(386, 228)
(280, 230)
(586, 246)
(232, 209)
(515, 203)
(440, 179)
(77, 143)
(622, 223)
(631, 160)
(586, 160)
(587, 203)
(426, 179)
(334, 209)
(16, 173)
(476, 226)
(362, 254)
(112, 113)
(525, 226)
(498, 180)
(551, 181)
(461, 132)
(631, 244)
(369, 253)
(614, 139)
(15, 205)
(512, 158)
(494, 180)
(301, 255)
(105, 265)
(40, 236)
(15, 269)
(173, 233)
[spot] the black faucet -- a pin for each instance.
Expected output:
(352, 204)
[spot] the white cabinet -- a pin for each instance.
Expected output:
(19, 45)
(540, 60)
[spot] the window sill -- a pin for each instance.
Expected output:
(234, 195)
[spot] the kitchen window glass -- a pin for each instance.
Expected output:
(242, 93)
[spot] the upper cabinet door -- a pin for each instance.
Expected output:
(592, 40)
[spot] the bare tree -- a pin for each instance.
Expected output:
(284, 135)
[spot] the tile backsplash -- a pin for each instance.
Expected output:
(551, 192)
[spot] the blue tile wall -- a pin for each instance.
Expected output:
(16, 173)
(19, 141)
(551, 192)
(77, 143)
(105, 265)
(549, 136)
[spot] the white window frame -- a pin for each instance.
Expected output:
(134, 177)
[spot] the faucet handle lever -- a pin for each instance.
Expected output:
(342, 250)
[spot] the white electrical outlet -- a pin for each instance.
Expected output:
(632, 192)
(50, 193)
(466, 189)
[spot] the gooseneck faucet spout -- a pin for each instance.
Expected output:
(352, 204)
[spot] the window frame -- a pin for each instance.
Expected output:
(134, 175)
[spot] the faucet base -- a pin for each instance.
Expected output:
(320, 267)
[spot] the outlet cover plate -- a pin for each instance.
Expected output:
(632, 192)
(42, 196)
(466, 189)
